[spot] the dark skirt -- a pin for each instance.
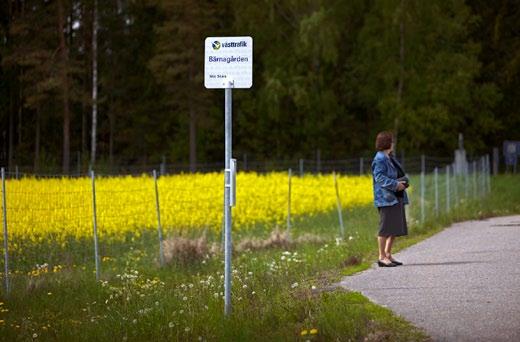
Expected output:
(393, 220)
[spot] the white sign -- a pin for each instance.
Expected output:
(228, 59)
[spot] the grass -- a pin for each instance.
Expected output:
(278, 294)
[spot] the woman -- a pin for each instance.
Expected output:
(390, 197)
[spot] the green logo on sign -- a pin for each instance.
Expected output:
(216, 45)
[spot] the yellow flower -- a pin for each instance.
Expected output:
(62, 207)
(304, 332)
(314, 331)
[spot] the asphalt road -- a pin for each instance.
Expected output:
(462, 284)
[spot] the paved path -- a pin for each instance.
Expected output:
(462, 284)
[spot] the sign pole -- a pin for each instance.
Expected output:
(228, 64)
(227, 197)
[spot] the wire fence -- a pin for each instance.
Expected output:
(73, 220)
(302, 166)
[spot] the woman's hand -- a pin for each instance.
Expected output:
(401, 186)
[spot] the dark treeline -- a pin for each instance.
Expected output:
(328, 75)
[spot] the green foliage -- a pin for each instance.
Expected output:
(328, 75)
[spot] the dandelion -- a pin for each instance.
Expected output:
(313, 331)
(313, 287)
(156, 303)
(35, 335)
(134, 321)
(294, 285)
(244, 286)
(304, 333)
(184, 298)
(187, 329)
(171, 324)
(253, 292)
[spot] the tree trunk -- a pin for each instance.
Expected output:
(401, 74)
(193, 140)
(65, 88)
(37, 142)
(20, 112)
(10, 157)
(94, 86)
(111, 139)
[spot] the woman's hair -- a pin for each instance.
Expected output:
(384, 140)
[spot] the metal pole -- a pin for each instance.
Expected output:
(94, 223)
(338, 205)
(474, 179)
(447, 189)
(466, 187)
(361, 166)
(488, 173)
(6, 241)
(227, 198)
(422, 188)
(455, 186)
(436, 176)
(301, 167)
(483, 175)
(289, 204)
(159, 227)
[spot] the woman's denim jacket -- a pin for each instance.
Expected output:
(384, 176)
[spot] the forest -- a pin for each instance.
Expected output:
(121, 82)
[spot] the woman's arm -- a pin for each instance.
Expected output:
(379, 171)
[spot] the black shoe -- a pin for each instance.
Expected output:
(397, 263)
(382, 264)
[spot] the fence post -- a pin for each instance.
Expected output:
(466, 187)
(436, 176)
(301, 167)
(289, 204)
(483, 172)
(488, 173)
(94, 222)
(6, 241)
(159, 227)
(474, 179)
(423, 166)
(455, 187)
(447, 189)
(338, 205)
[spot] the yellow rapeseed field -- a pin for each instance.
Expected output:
(62, 208)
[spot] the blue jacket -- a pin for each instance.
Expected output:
(384, 176)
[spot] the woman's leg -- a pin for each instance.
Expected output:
(382, 241)
(388, 247)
